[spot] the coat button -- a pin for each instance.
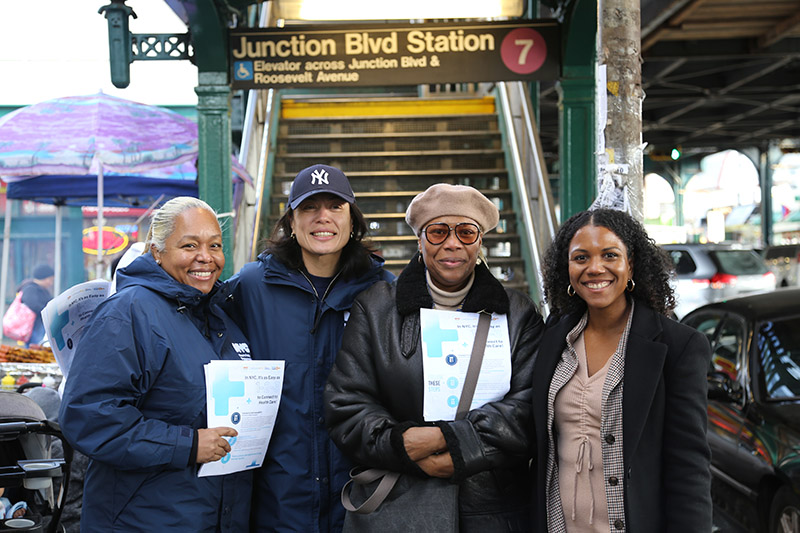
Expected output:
(610, 438)
(613, 481)
(619, 524)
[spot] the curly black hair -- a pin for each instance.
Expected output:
(652, 267)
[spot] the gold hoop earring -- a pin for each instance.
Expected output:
(630, 285)
(570, 291)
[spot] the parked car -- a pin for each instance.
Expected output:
(783, 261)
(706, 273)
(754, 407)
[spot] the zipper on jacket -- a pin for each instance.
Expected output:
(317, 313)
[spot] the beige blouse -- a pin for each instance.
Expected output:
(580, 463)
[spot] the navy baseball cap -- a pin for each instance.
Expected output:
(318, 179)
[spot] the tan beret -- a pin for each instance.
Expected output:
(443, 199)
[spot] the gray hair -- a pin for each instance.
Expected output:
(163, 222)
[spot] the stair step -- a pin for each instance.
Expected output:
(402, 194)
(411, 238)
(492, 261)
(397, 173)
(412, 153)
(388, 135)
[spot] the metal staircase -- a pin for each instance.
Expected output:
(391, 149)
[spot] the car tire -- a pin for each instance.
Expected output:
(784, 513)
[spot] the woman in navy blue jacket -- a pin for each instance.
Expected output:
(135, 399)
(293, 303)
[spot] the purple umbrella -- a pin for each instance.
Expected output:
(95, 136)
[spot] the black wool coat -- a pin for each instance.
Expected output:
(667, 484)
(375, 392)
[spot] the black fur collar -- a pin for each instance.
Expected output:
(487, 294)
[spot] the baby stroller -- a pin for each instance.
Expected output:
(27, 469)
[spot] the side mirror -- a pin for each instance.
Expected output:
(722, 388)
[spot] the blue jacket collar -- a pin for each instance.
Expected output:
(341, 294)
(145, 272)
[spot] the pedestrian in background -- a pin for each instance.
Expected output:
(36, 292)
(135, 401)
(375, 393)
(619, 401)
(293, 303)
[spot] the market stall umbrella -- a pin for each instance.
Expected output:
(100, 138)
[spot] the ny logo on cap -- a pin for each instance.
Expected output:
(319, 177)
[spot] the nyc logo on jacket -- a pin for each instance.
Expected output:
(242, 350)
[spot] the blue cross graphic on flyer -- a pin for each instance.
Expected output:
(225, 389)
(434, 335)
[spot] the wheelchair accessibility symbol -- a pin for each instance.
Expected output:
(243, 70)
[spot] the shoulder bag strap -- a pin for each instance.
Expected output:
(474, 368)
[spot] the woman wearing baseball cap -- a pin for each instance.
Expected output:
(293, 303)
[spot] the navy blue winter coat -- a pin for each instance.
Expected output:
(134, 398)
(298, 487)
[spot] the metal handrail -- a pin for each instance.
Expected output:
(527, 141)
(261, 177)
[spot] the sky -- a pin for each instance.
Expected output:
(55, 48)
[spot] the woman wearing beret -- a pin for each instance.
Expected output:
(374, 397)
(619, 399)
(293, 303)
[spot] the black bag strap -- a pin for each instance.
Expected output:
(474, 368)
(389, 479)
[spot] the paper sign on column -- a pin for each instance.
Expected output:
(447, 338)
(244, 395)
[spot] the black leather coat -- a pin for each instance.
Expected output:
(375, 392)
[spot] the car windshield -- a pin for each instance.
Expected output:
(738, 262)
(779, 353)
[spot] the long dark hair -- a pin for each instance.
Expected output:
(356, 255)
(652, 267)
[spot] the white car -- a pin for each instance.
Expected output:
(706, 273)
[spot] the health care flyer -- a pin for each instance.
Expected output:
(243, 395)
(447, 338)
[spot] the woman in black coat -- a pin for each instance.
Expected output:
(375, 392)
(619, 400)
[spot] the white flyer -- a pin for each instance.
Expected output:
(66, 316)
(447, 338)
(243, 395)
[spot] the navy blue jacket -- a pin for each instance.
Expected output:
(298, 488)
(134, 398)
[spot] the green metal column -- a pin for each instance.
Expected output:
(209, 28)
(214, 160)
(577, 130)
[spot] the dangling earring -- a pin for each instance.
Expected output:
(351, 235)
(630, 285)
(570, 291)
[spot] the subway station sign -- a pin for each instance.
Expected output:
(381, 55)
